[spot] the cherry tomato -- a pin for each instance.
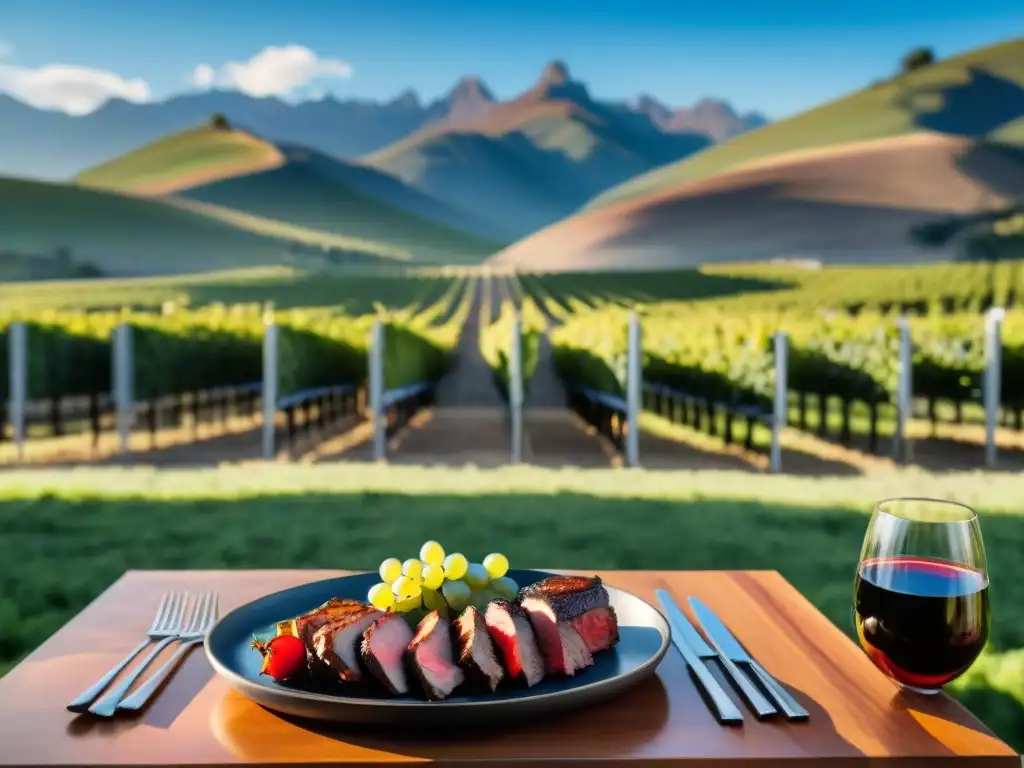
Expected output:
(284, 656)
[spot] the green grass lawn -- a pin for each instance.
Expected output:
(65, 536)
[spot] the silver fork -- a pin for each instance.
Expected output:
(202, 621)
(106, 706)
(166, 623)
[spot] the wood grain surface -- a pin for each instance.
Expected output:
(858, 716)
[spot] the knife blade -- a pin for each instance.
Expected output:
(725, 711)
(729, 647)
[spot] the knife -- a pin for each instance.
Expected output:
(729, 649)
(726, 712)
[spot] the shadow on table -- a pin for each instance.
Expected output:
(647, 721)
(173, 697)
(630, 722)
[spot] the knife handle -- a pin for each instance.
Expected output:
(790, 708)
(750, 692)
(726, 712)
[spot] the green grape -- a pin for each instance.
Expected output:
(390, 570)
(381, 596)
(496, 565)
(432, 553)
(505, 587)
(481, 598)
(409, 604)
(476, 576)
(433, 576)
(457, 594)
(455, 566)
(434, 601)
(406, 586)
(412, 568)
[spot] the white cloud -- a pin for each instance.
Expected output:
(274, 71)
(203, 76)
(75, 90)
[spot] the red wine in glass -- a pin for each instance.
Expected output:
(921, 597)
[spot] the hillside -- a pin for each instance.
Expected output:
(844, 204)
(979, 94)
(196, 156)
(235, 171)
(120, 235)
(525, 163)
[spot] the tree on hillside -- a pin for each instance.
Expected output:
(219, 121)
(917, 58)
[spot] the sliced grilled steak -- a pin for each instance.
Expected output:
(573, 618)
(513, 635)
(337, 643)
(307, 624)
(562, 647)
(569, 596)
(383, 652)
(432, 657)
(599, 628)
(477, 654)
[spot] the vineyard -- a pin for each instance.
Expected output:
(708, 355)
(707, 336)
(181, 355)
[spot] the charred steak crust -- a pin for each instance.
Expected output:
(326, 639)
(568, 596)
(476, 651)
(308, 623)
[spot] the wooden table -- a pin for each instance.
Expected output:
(858, 717)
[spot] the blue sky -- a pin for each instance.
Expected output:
(777, 57)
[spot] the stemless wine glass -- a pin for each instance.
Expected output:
(921, 603)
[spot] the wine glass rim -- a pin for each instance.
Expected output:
(885, 507)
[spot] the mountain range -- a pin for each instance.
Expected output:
(552, 179)
(51, 145)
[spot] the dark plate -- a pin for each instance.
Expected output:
(644, 641)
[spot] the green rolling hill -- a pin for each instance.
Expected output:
(117, 234)
(979, 94)
(294, 193)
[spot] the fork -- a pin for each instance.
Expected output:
(106, 706)
(166, 624)
(202, 621)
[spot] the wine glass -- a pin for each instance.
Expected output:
(921, 602)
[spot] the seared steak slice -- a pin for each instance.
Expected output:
(432, 657)
(572, 618)
(336, 643)
(562, 647)
(513, 635)
(383, 652)
(307, 624)
(477, 654)
(599, 628)
(568, 596)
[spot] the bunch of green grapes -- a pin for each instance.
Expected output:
(438, 582)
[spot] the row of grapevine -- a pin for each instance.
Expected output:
(728, 359)
(183, 350)
(948, 288)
